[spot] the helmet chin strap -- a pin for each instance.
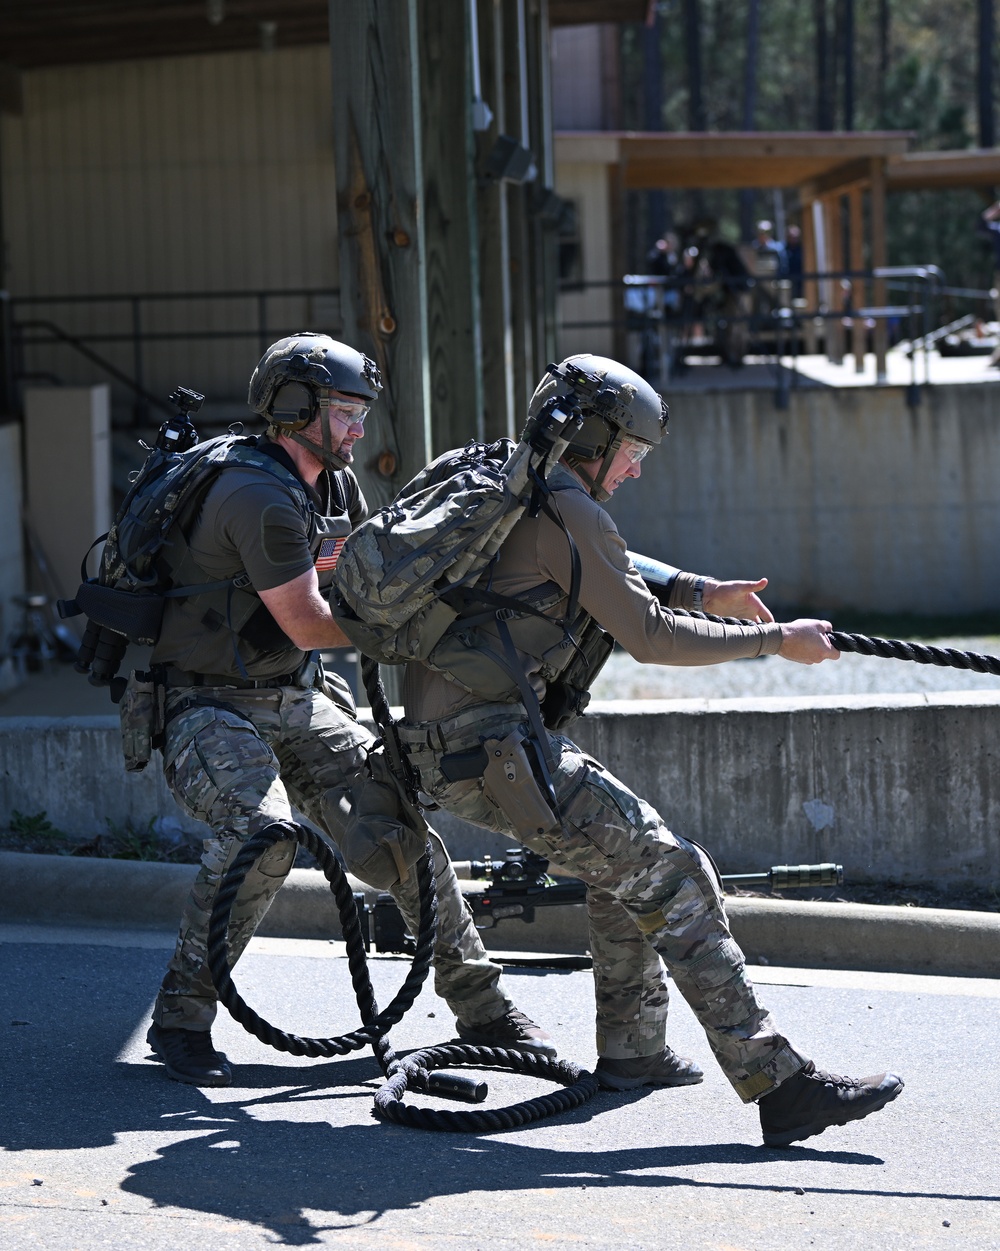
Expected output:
(325, 453)
(595, 485)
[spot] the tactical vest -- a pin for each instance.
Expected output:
(231, 623)
(569, 654)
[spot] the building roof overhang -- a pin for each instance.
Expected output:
(826, 159)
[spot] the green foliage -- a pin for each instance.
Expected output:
(35, 833)
(33, 826)
(928, 87)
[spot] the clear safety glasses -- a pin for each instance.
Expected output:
(350, 413)
(635, 451)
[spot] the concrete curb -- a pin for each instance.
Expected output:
(63, 890)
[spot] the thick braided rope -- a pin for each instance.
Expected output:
(375, 1023)
(920, 653)
(578, 1086)
(415, 1071)
(888, 649)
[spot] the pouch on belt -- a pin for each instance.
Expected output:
(510, 781)
(142, 720)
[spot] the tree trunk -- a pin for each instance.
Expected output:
(985, 76)
(883, 58)
(692, 50)
(750, 110)
(824, 103)
(847, 59)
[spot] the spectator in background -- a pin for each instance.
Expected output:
(769, 253)
(664, 261)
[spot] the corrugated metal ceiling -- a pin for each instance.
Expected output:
(37, 33)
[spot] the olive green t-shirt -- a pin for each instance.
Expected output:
(250, 522)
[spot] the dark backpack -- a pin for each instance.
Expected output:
(126, 601)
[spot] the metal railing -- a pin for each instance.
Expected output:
(842, 312)
(127, 320)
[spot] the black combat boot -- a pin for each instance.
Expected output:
(513, 1030)
(811, 1101)
(189, 1056)
(665, 1068)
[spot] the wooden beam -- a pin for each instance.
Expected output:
(970, 167)
(842, 178)
(830, 146)
(451, 265)
(859, 332)
(878, 260)
(834, 262)
(378, 156)
(494, 240)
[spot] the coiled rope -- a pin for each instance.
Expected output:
(416, 1071)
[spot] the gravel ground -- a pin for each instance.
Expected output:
(624, 678)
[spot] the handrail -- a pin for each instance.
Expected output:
(75, 342)
(32, 331)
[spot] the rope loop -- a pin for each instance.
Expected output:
(417, 1070)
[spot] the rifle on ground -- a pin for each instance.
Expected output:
(521, 882)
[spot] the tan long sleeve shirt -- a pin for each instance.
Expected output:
(611, 590)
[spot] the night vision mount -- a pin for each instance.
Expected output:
(177, 433)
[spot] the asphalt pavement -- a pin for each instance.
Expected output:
(100, 1149)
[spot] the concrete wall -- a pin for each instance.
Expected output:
(902, 787)
(848, 498)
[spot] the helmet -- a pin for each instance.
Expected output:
(616, 404)
(289, 376)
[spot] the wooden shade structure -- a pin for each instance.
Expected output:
(822, 166)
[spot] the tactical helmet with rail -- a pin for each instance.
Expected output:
(616, 403)
(287, 384)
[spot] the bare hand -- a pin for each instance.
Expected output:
(807, 641)
(736, 599)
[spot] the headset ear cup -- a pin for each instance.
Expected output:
(293, 408)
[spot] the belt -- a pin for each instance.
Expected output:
(182, 677)
(424, 742)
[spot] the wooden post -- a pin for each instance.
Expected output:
(616, 218)
(454, 331)
(516, 124)
(494, 237)
(878, 260)
(834, 263)
(859, 333)
(810, 288)
(378, 153)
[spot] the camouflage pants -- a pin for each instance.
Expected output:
(242, 766)
(653, 899)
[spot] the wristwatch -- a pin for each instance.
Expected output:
(699, 595)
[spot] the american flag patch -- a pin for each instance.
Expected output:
(329, 551)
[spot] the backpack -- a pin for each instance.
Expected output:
(126, 601)
(400, 572)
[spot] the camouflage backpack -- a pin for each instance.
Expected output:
(398, 570)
